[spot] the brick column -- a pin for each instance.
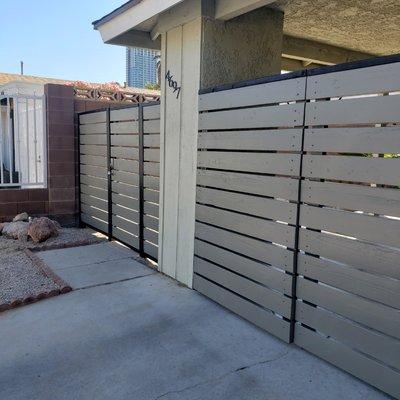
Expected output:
(61, 150)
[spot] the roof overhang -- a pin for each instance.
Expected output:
(137, 22)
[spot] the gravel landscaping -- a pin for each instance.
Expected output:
(21, 279)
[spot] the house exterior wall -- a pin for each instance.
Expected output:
(59, 199)
(194, 60)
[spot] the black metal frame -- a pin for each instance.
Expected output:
(109, 233)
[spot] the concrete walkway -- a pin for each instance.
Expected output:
(145, 337)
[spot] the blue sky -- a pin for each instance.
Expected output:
(55, 39)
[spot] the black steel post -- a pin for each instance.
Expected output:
(77, 122)
(297, 232)
(141, 181)
(109, 174)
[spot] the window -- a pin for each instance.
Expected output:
(22, 142)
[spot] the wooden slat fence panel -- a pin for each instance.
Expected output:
(348, 288)
(248, 163)
(114, 197)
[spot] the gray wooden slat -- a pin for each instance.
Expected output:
(152, 168)
(94, 212)
(94, 222)
(252, 226)
(123, 128)
(353, 140)
(93, 181)
(268, 276)
(152, 182)
(151, 209)
(151, 195)
(93, 150)
(375, 344)
(126, 237)
(152, 126)
(272, 186)
(384, 201)
(151, 112)
(125, 177)
(259, 294)
(125, 152)
(361, 226)
(93, 117)
(92, 191)
(94, 201)
(257, 249)
(378, 288)
(124, 114)
(257, 206)
(152, 155)
(354, 169)
(276, 139)
(152, 140)
(282, 164)
(127, 190)
(93, 139)
(125, 201)
(258, 117)
(125, 140)
(94, 160)
(366, 110)
(351, 361)
(253, 313)
(99, 172)
(272, 92)
(376, 79)
(127, 213)
(93, 129)
(124, 224)
(150, 222)
(374, 315)
(151, 236)
(151, 249)
(367, 257)
(126, 165)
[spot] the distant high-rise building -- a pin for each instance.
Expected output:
(141, 66)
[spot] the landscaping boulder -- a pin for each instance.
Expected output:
(2, 226)
(21, 217)
(40, 229)
(16, 230)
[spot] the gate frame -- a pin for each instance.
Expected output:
(109, 167)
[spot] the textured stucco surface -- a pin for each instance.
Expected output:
(245, 47)
(371, 26)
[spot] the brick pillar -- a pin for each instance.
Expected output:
(61, 151)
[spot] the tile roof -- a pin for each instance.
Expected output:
(7, 78)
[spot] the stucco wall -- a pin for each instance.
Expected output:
(246, 47)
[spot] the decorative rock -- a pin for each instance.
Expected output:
(40, 229)
(16, 230)
(2, 226)
(21, 217)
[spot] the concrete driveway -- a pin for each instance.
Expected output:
(131, 333)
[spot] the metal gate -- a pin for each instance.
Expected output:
(119, 153)
(298, 211)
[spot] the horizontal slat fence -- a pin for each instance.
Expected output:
(247, 186)
(348, 288)
(119, 174)
(298, 212)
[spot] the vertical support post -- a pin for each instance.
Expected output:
(78, 124)
(109, 174)
(297, 232)
(141, 180)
